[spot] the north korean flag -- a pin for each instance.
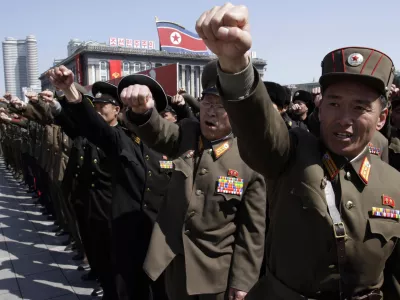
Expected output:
(175, 38)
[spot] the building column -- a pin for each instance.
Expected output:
(183, 73)
(187, 79)
(201, 68)
(192, 79)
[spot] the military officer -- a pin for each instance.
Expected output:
(209, 234)
(137, 188)
(334, 218)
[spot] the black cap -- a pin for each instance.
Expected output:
(159, 96)
(276, 92)
(288, 95)
(169, 109)
(303, 96)
(105, 92)
(209, 78)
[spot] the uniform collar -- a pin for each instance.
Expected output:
(362, 165)
(334, 163)
(218, 147)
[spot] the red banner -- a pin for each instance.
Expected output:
(115, 69)
(166, 76)
(78, 68)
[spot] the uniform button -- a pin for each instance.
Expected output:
(149, 173)
(187, 232)
(349, 205)
(145, 205)
(147, 157)
(78, 167)
(76, 175)
(55, 153)
(234, 209)
(198, 192)
(98, 148)
(92, 173)
(148, 189)
(95, 161)
(81, 157)
(48, 149)
(203, 171)
(84, 148)
(92, 185)
(347, 176)
(65, 150)
(65, 141)
(332, 267)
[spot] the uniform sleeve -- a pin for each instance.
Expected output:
(38, 112)
(93, 127)
(263, 138)
(249, 243)
(161, 135)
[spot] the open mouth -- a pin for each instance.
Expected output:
(210, 124)
(343, 135)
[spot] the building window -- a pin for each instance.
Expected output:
(126, 68)
(103, 71)
(146, 66)
(136, 67)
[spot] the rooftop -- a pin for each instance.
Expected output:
(143, 52)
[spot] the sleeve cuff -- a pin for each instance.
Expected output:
(138, 119)
(239, 85)
(56, 108)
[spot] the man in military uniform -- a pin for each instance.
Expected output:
(138, 188)
(334, 218)
(209, 234)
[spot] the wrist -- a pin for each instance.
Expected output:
(234, 66)
(72, 94)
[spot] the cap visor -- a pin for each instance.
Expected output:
(371, 81)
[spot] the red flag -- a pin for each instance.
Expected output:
(175, 38)
(115, 69)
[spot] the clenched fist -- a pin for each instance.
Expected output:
(178, 100)
(226, 32)
(138, 98)
(47, 97)
(17, 103)
(8, 96)
(32, 96)
(61, 77)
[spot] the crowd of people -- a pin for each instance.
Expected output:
(251, 191)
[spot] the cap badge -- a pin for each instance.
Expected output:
(355, 59)
(98, 95)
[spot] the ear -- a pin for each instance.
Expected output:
(117, 109)
(382, 119)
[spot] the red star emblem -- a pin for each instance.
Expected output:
(354, 58)
(175, 37)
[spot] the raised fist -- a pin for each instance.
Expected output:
(4, 117)
(226, 32)
(8, 96)
(138, 98)
(47, 96)
(178, 100)
(32, 96)
(17, 103)
(15, 116)
(61, 77)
